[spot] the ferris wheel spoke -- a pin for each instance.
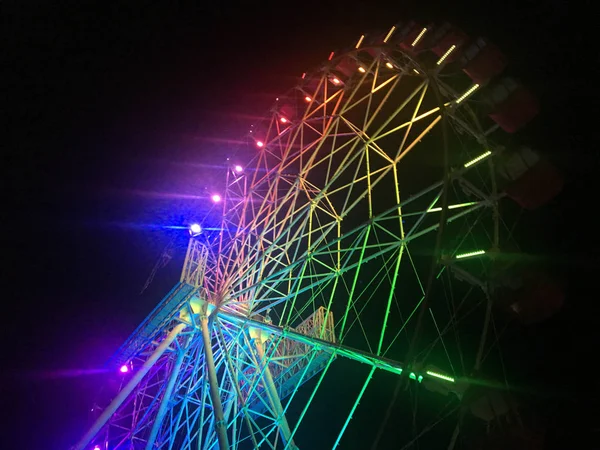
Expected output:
(318, 248)
(323, 250)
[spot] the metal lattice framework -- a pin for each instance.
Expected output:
(322, 250)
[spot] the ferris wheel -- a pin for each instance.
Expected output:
(367, 231)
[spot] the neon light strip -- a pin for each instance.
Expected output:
(468, 255)
(450, 50)
(440, 376)
(458, 205)
(479, 158)
(389, 35)
(418, 38)
(466, 94)
(362, 36)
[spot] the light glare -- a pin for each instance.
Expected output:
(216, 198)
(260, 144)
(124, 368)
(238, 168)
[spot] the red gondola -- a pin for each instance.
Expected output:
(482, 61)
(532, 181)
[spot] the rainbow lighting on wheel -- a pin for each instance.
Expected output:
(358, 258)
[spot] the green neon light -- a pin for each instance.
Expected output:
(440, 376)
(413, 376)
(468, 255)
(479, 158)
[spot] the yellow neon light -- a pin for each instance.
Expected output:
(389, 65)
(362, 36)
(479, 158)
(389, 35)
(458, 205)
(361, 69)
(466, 94)
(445, 55)
(418, 38)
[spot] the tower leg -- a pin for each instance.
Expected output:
(129, 387)
(284, 427)
(162, 410)
(220, 424)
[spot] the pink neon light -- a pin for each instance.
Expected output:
(216, 198)
(124, 368)
(239, 168)
(283, 120)
(307, 99)
(335, 81)
(260, 144)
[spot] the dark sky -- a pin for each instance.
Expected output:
(110, 108)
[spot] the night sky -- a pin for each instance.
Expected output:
(113, 116)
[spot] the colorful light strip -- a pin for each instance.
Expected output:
(468, 255)
(440, 376)
(445, 55)
(479, 158)
(466, 94)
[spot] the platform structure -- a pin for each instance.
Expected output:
(195, 364)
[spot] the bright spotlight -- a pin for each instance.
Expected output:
(195, 229)
(283, 120)
(307, 99)
(124, 368)
(97, 447)
(216, 198)
(260, 144)
(238, 168)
